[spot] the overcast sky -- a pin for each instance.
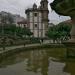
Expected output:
(19, 6)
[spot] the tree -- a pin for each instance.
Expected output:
(6, 20)
(64, 30)
(10, 29)
(27, 31)
(52, 33)
(59, 32)
(23, 31)
(3, 42)
(66, 8)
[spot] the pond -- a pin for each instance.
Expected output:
(51, 61)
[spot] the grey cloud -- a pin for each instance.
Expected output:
(19, 6)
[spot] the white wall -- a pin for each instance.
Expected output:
(43, 30)
(40, 17)
(31, 20)
(36, 21)
(40, 26)
(35, 33)
(39, 33)
(31, 25)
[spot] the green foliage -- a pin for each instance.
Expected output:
(12, 30)
(60, 31)
(64, 7)
(23, 31)
(8, 28)
(52, 33)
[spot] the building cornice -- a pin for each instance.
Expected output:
(37, 10)
(43, 1)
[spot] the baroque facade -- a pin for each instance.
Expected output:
(37, 18)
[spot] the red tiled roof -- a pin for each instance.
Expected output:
(22, 22)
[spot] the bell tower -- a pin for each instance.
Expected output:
(44, 4)
(45, 11)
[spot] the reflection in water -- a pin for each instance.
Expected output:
(36, 62)
(56, 68)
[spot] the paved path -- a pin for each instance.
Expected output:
(21, 46)
(15, 47)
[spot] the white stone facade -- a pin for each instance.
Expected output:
(38, 24)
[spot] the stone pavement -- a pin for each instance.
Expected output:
(15, 47)
(21, 46)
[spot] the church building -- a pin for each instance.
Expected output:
(37, 18)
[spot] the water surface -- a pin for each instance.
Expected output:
(37, 62)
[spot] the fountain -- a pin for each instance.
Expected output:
(67, 8)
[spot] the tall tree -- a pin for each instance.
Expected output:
(59, 32)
